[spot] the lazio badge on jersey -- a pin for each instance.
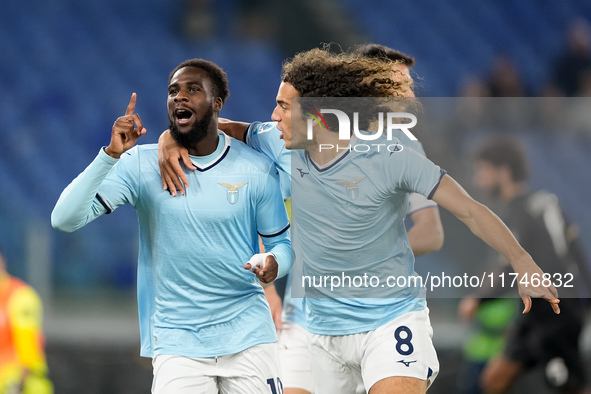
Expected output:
(233, 191)
(352, 188)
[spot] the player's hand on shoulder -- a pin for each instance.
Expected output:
(264, 266)
(169, 156)
(126, 131)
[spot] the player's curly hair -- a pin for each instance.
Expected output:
(319, 73)
(216, 74)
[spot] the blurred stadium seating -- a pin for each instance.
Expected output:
(460, 38)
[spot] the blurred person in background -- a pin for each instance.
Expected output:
(490, 321)
(573, 66)
(504, 79)
(539, 338)
(426, 234)
(23, 369)
(400, 61)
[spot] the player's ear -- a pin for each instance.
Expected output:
(218, 104)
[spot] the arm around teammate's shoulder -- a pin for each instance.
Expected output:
(234, 129)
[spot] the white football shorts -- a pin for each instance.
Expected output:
(294, 356)
(254, 370)
(352, 364)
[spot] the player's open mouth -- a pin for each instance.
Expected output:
(183, 116)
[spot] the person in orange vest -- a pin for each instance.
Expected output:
(23, 369)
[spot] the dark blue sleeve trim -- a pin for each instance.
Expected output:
(246, 134)
(442, 172)
(104, 203)
(275, 234)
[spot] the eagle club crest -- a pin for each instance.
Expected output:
(352, 188)
(233, 191)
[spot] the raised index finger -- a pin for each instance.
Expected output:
(131, 106)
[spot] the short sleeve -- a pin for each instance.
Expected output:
(413, 172)
(264, 138)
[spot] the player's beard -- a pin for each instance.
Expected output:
(197, 133)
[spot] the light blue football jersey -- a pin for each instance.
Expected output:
(348, 221)
(264, 137)
(194, 297)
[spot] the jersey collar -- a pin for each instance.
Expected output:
(338, 158)
(205, 163)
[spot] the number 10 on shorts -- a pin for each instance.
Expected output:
(276, 388)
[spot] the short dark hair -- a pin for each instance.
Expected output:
(216, 74)
(384, 52)
(504, 150)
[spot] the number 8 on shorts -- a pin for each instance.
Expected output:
(403, 336)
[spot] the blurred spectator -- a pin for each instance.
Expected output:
(585, 83)
(505, 80)
(198, 19)
(491, 319)
(473, 112)
(256, 20)
(23, 369)
(572, 67)
(538, 338)
(474, 87)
